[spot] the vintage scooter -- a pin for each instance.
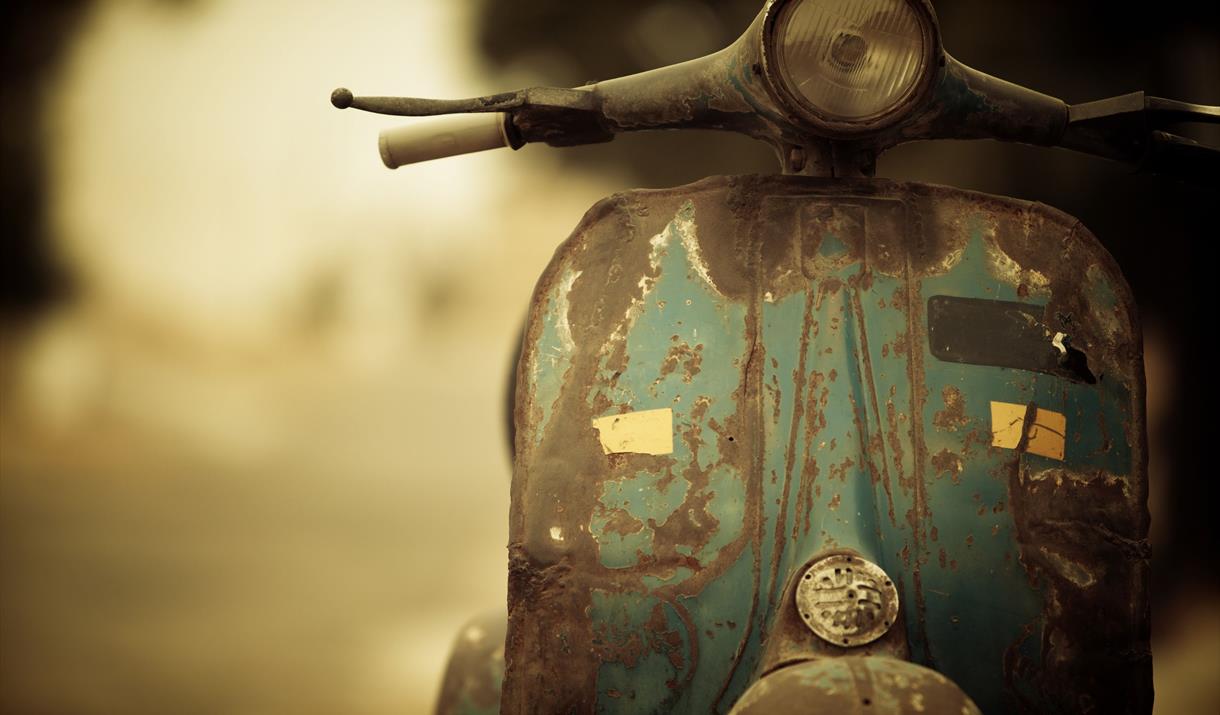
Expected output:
(819, 442)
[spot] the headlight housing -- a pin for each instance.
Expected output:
(850, 66)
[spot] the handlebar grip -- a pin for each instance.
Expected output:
(441, 137)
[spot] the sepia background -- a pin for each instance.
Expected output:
(253, 452)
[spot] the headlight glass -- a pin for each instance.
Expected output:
(850, 60)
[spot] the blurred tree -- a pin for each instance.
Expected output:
(33, 37)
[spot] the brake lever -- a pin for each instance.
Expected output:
(1129, 128)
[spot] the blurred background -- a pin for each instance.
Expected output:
(253, 452)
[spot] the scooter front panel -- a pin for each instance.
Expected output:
(721, 382)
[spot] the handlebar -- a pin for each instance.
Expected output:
(713, 92)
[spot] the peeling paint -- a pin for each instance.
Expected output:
(564, 327)
(1026, 280)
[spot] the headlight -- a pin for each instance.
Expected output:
(849, 65)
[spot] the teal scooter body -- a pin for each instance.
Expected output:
(724, 382)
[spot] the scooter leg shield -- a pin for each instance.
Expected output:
(722, 382)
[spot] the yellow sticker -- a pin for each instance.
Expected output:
(643, 432)
(1046, 434)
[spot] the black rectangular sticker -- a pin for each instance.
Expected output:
(1002, 334)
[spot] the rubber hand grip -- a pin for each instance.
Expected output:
(437, 138)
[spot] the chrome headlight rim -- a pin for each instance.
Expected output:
(805, 112)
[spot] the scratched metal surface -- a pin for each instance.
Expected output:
(782, 319)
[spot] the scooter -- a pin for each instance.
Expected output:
(817, 441)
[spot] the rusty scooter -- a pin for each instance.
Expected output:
(819, 441)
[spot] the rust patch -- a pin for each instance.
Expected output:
(841, 470)
(688, 357)
(900, 345)
(1075, 258)
(895, 442)
(775, 394)
(916, 261)
(816, 399)
(954, 414)
(621, 522)
(1082, 542)
(798, 413)
(947, 462)
(871, 444)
